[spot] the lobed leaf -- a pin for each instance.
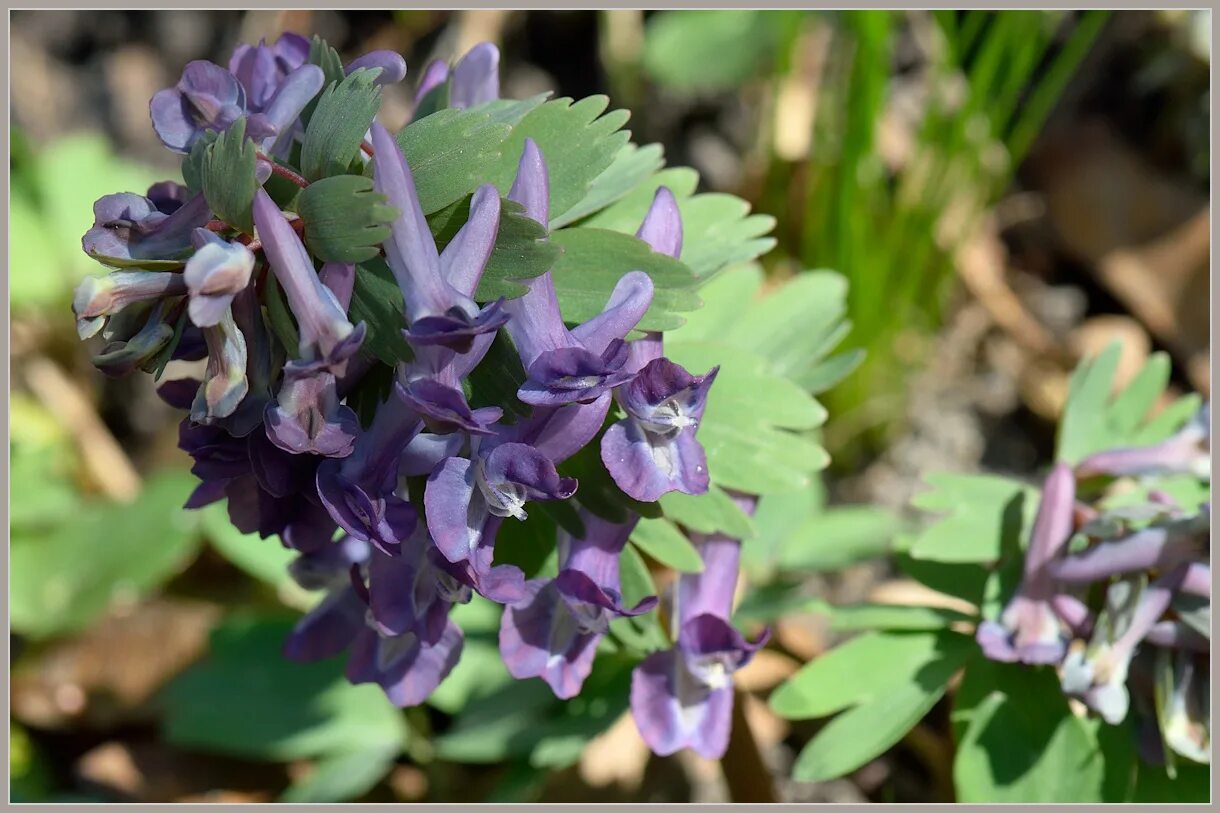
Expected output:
(343, 115)
(227, 176)
(345, 220)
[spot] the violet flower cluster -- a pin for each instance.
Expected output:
(397, 520)
(1118, 599)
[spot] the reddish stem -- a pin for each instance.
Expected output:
(284, 172)
(367, 148)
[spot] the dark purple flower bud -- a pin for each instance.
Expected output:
(476, 77)
(224, 383)
(553, 633)
(392, 67)
(683, 697)
(207, 97)
(568, 366)
(360, 491)
(1187, 452)
(328, 629)
(437, 312)
(654, 450)
(123, 357)
(462, 494)
(328, 567)
(179, 392)
(130, 227)
(1028, 630)
(328, 339)
(262, 68)
(98, 298)
(214, 274)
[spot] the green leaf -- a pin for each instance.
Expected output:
(577, 142)
(985, 516)
(377, 301)
(791, 325)
(894, 617)
(228, 179)
(524, 719)
(777, 517)
(339, 122)
(1019, 741)
(661, 540)
(594, 260)
(98, 554)
(711, 50)
(1097, 418)
(633, 166)
(627, 213)
(522, 250)
(192, 164)
(879, 663)
(718, 231)
(498, 377)
(345, 220)
(643, 632)
(343, 776)
(1192, 785)
(326, 58)
(480, 672)
(708, 513)
(857, 736)
(838, 537)
(825, 375)
(246, 699)
(451, 152)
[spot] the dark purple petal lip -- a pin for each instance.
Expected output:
(444, 409)
(454, 329)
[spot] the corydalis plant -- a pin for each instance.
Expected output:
(385, 367)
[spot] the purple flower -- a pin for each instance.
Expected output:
(407, 667)
(463, 495)
(475, 77)
(391, 66)
(98, 298)
(279, 123)
(414, 591)
(1159, 546)
(662, 230)
(207, 97)
(361, 490)
(683, 697)
(1187, 452)
(327, 338)
(437, 312)
(214, 274)
(224, 383)
(262, 68)
(653, 450)
(553, 633)
(158, 227)
(565, 366)
(306, 416)
(1029, 630)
